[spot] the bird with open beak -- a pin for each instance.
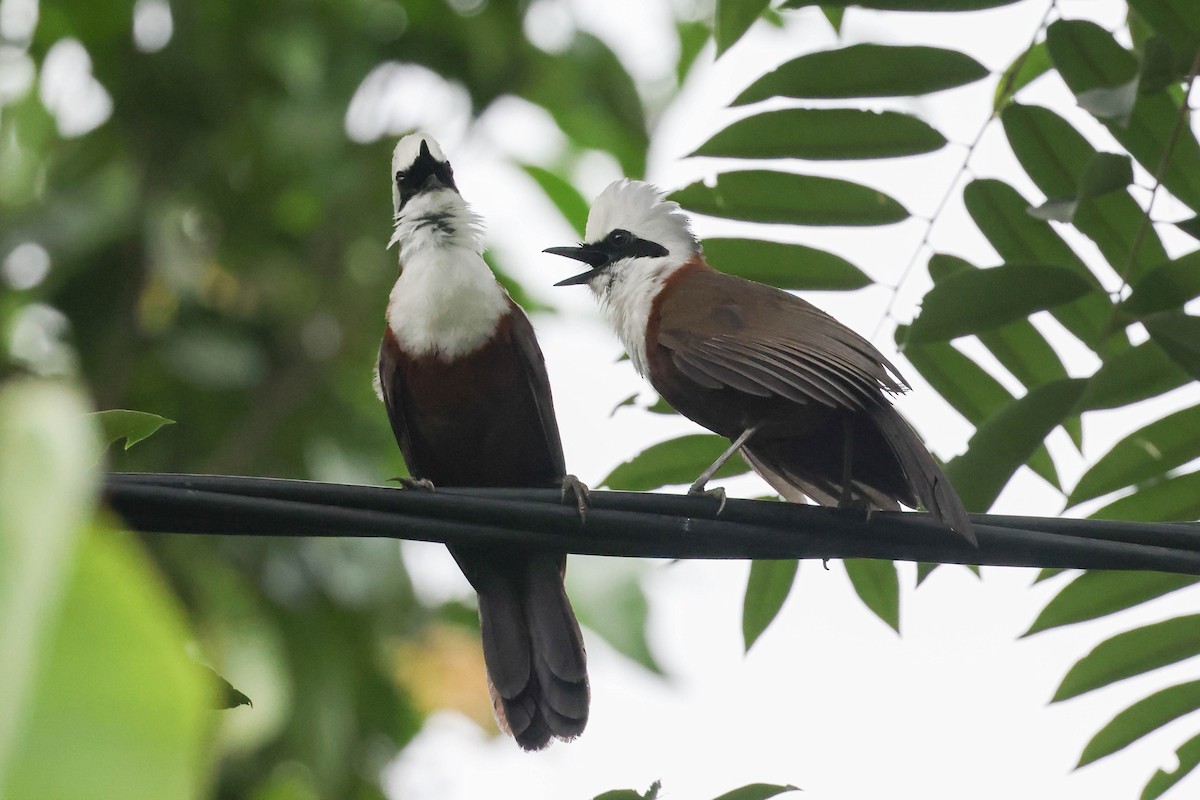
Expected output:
(801, 395)
(466, 391)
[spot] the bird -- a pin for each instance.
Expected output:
(464, 383)
(803, 397)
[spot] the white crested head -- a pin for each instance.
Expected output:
(642, 209)
(635, 240)
(411, 149)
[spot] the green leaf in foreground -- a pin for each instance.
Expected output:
(1176, 499)
(630, 794)
(1188, 755)
(132, 426)
(732, 19)
(766, 588)
(674, 461)
(788, 266)
(866, 70)
(764, 196)
(757, 791)
(1136, 374)
(878, 586)
(119, 709)
(47, 493)
(1024, 70)
(1178, 334)
(1101, 592)
(566, 198)
(1007, 440)
(1147, 453)
(1166, 286)
(1142, 718)
(971, 301)
(1132, 653)
(824, 134)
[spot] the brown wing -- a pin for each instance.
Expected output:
(727, 331)
(533, 364)
(390, 384)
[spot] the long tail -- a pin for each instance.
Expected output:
(532, 647)
(925, 477)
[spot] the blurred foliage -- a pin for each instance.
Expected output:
(213, 253)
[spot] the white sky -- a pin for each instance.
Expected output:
(830, 699)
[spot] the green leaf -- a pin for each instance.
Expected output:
(1188, 756)
(906, 5)
(1000, 213)
(979, 300)
(119, 710)
(1106, 172)
(566, 198)
(1175, 499)
(132, 426)
(762, 196)
(1148, 453)
(1177, 22)
(1167, 286)
(693, 35)
(878, 586)
(674, 461)
(866, 70)
(1098, 593)
(1132, 653)
(835, 16)
(1157, 69)
(227, 695)
(757, 791)
(1178, 334)
(823, 134)
(1063, 164)
(1102, 73)
(732, 19)
(766, 588)
(788, 266)
(630, 794)
(1024, 70)
(1008, 439)
(47, 493)
(1137, 374)
(1142, 718)
(969, 389)
(1190, 226)
(612, 603)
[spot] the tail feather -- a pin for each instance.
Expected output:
(926, 478)
(533, 650)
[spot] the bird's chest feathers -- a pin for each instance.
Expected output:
(627, 304)
(446, 302)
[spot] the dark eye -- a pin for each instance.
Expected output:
(621, 238)
(401, 178)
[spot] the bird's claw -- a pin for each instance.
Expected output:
(698, 490)
(423, 484)
(572, 486)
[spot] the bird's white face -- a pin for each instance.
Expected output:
(417, 157)
(635, 239)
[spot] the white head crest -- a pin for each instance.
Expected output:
(643, 210)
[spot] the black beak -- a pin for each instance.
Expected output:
(591, 255)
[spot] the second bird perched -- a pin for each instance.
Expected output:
(801, 395)
(465, 387)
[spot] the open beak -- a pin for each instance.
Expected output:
(588, 254)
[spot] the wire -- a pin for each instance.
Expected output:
(634, 524)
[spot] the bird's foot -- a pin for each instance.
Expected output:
(423, 484)
(572, 487)
(697, 490)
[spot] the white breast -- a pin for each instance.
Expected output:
(446, 302)
(626, 300)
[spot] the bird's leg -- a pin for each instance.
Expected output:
(697, 487)
(423, 484)
(573, 487)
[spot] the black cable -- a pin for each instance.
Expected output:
(634, 524)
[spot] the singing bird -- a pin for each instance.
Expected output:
(465, 387)
(801, 395)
